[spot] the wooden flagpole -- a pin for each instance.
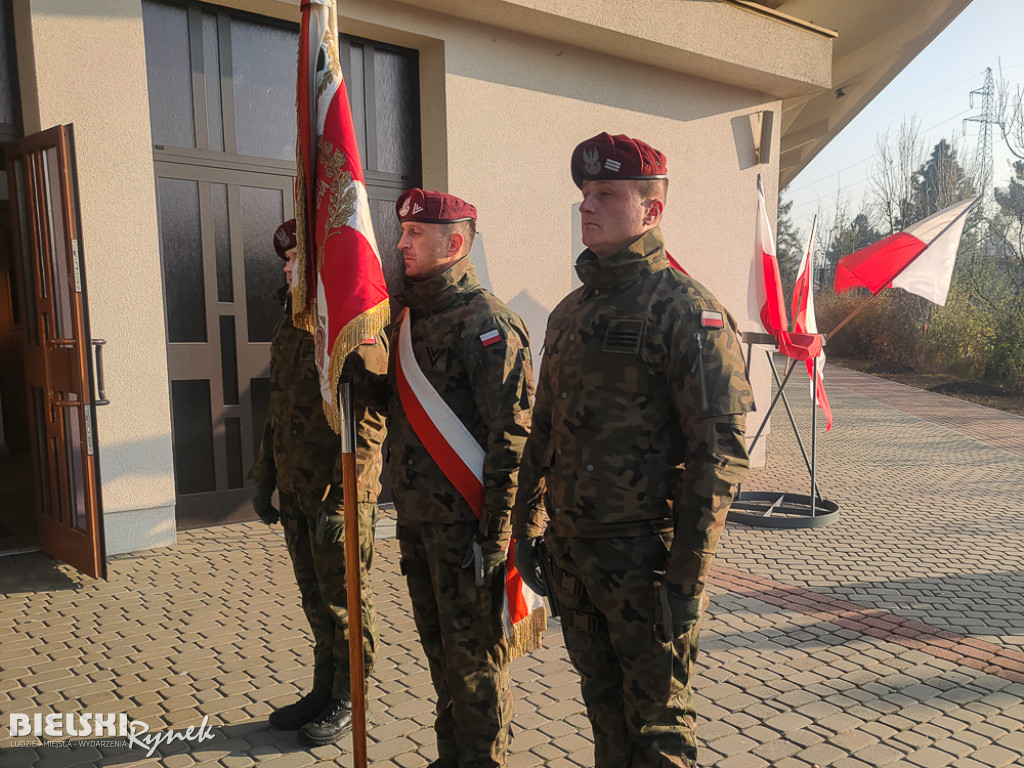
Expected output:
(353, 559)
(353, 577)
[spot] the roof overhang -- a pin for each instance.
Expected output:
(877, 39)
(712, 40)
(824, 59)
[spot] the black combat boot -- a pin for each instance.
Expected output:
(331, 724)
(295, 715)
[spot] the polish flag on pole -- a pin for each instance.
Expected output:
(766, 306)
(919, 260)
(804, 321)
(338, 289)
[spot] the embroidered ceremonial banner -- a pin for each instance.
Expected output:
(338, 294)
(460, 457)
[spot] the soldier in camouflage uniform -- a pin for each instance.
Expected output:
(301, 456)
(638, 434)
(475, 353)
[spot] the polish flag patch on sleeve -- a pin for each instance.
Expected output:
(491, 337)
(711, 319)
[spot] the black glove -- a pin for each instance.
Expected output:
(265, 511)
(675, 615)
(485, 561)
(330, 519)
(330, 526)
(529, 567)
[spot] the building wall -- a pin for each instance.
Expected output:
(501, 112)
(538, 99)
(83, 62)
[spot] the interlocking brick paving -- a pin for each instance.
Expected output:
(890, 638)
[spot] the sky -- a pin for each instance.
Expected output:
(936, 88)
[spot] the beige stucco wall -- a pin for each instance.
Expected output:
(83, 62)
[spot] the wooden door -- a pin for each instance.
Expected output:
(58, 362)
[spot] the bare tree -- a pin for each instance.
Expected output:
(1010, 115)
(891, 190)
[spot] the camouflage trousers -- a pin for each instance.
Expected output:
(461, 630)
(636, 688)
(320, 575)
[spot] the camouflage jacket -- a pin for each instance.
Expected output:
(640, 416)
(489, 387)
(300, 454)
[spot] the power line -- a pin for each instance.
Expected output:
(869, 157)
(826, 195)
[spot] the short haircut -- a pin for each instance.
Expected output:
(465, 228)
(648, 188)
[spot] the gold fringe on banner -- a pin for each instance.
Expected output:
(527, 633)
(369, 323)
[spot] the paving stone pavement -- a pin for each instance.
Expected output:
(893, 637)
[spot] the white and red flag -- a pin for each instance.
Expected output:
(804, 321)
(919, 259)
(766, 306)
(338, 289)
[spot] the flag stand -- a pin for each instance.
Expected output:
(353, 578)
(771, 509)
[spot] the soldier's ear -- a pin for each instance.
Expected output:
(455, 241)
(655, 208)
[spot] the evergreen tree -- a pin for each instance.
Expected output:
(940, 182)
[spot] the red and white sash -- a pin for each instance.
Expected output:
(460, 457)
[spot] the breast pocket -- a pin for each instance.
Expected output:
(615, 358)
(554, 335)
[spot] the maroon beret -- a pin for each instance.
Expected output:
(284, 238)
(432, 207)
(616, 157)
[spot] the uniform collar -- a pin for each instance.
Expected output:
(440, 290)
(643, 256)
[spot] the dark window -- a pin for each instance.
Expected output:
(233, 445)
(355, 76)
(211, 63)
(193, 436)
(229, 359)
(183, 260)
(263, 275)
(10, 116)
(263, 66)
(222, 242)
(169, 72)
(397, 134)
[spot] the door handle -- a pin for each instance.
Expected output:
(101, 389)
(63, 344)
